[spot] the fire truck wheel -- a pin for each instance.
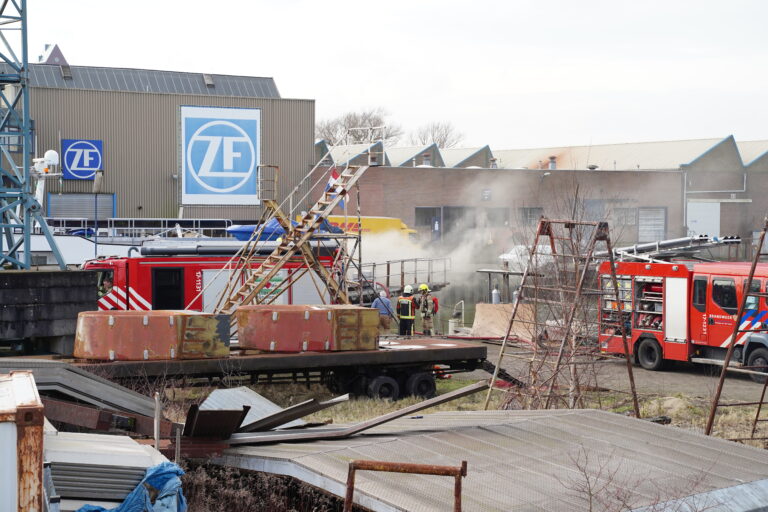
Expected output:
(758, 357)
(421, 384)
(384, 387)
(649, 354)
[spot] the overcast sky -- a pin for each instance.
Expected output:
(511, 74)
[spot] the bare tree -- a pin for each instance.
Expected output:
(442, 133)
(359, 127)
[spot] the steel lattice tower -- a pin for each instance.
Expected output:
(19, 209)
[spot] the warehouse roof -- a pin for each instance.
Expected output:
(398, 156)
(634, 155)
(454, 157)
(751, 150)
(342, 155)
(524, 460)
(154, 81)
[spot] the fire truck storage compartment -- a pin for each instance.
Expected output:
(612, 321)
(168, 288)
(649, 303)
(676, 309)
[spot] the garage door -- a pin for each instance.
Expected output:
(652, 224)
(81, 206)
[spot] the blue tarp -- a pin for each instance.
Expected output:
(273, 230)
(162, 481)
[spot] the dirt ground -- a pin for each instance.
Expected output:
(694, 380)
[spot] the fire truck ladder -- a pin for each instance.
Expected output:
(296, 239)
(741, 330)
(571, 253)
(663, 250)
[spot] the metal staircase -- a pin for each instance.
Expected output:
(295, 240)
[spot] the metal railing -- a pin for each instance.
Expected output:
(140, 227)
(395, 274)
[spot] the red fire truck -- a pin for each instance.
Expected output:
(684, 312)
(180, 278)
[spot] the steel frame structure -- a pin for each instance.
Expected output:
(19, 209)
(555, 285)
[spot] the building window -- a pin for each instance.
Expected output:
(625, 216)
(425, 216)
(530, 216)
(497, 217)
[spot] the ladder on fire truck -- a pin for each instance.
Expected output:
(664, 250)
(295, 240)
(742, 329)
(571, 253)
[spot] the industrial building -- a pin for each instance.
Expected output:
(130, 124)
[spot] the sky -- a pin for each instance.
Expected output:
(511, 74)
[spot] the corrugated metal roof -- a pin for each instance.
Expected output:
(455, 156)
(635, 155)
(154, 81)
(403, 155)
(343, 154)
(518, 460)
(751, 150)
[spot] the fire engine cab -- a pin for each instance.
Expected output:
(683, 312)
(190, 281)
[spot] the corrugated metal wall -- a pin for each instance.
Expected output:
(141, 144)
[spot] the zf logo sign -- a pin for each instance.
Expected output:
(82, 158)
(220, 155)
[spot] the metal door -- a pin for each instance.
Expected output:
(703, 218)
(652, 224)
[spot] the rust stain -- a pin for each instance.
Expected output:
(150, 335)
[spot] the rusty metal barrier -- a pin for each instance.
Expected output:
(458, 472)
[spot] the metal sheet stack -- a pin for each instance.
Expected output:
(151, 335)
(300, 328)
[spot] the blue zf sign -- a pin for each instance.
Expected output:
(220, 155)
(82, 158)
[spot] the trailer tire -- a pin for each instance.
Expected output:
(384, 387)
(649, 354)
(758, 357)
(421, 384)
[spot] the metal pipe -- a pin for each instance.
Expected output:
(458, 472)
(157, 420)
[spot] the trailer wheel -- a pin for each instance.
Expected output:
(758, 357)
(385, 387)
(649, 354)
(421, 384)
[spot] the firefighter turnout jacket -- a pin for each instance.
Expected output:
(406, 307)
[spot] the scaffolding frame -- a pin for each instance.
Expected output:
(554, 286)
(741, 331)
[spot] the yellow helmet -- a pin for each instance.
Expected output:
(423, 287)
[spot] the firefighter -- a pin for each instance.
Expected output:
(427, 304)
(106, 285)
(406, 311)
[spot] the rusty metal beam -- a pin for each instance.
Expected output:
(99, 419)
(458, 472)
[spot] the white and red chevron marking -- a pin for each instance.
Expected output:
(136, 301)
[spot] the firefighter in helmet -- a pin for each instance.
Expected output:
(406, 311)
(427, 305)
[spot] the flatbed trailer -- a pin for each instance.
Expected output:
(400, 367)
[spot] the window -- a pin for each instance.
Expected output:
(724, 294)
(752, 301)
(700, 294)
(530, 216)
(425, 216)
(625, 216)
(497, 216)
